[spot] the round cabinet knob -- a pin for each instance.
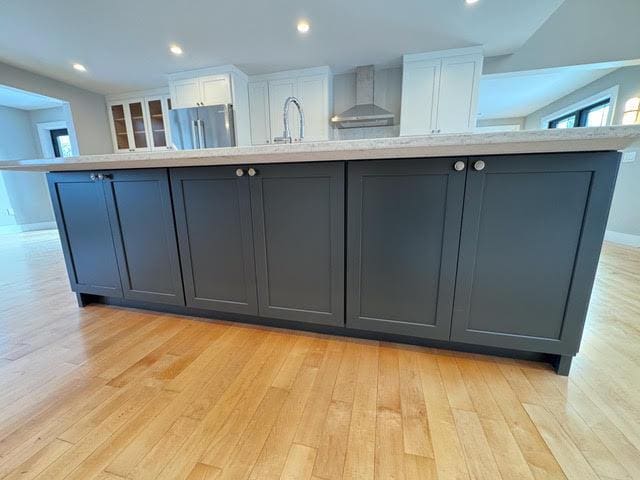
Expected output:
(239, 172)
(92, 177)
(100, 176)
(252, 172)
(479, 165)
(459, 166)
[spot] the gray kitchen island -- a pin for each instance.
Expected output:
(481, 242)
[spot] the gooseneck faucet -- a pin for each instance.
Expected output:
(286, 135)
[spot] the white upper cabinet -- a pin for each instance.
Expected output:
(139, 121)
(259, 112)
(440, 91)
(267, 94)
(313, 92)
(215, 90)
(200, 91)
(420, 82)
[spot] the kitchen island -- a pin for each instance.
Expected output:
(483, 242)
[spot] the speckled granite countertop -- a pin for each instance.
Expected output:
(462, 144)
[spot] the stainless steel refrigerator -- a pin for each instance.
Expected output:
(202, 127)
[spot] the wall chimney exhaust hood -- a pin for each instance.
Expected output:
(365, 113)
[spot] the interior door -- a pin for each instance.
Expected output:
(213, 220)
(420, 83)
(402, 244)
(139, 203)
(279, 91)
(85, 232)
(298, 225)
(531, 236)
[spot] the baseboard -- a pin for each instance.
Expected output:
(622, 238)
(29, 227)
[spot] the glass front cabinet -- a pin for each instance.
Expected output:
(140, 124)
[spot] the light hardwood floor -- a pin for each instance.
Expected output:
(113, 393)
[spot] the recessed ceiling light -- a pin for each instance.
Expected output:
(471, 2)
(79, 67)
(175, 49)
(303, 26)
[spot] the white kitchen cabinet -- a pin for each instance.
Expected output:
(259, 113)
(201, 91)
(440, 91)
(224, 84)
(313, 92)
(139, 121)
(267, 94)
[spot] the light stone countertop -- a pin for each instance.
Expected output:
(442, 145)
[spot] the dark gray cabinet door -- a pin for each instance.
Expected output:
(402, 245)
(139, 203)
(531, 236)
(85, 232)
(213, 218)
(298, 224)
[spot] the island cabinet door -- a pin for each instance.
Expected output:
(85, 232)
(531, 237)
(213, 219)
(139, 203)
(298, 224)
(402, 244)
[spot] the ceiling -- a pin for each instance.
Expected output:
(520, 94)
(12, 97)
(124, 43)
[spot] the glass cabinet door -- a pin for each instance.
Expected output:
(120, 127)
(138, 126)
(158, 122)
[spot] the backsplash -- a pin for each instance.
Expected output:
(366, 132)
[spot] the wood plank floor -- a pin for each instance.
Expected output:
(115, 394)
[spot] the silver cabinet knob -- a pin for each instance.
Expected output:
(100, 176)
(239, 172)
(92, 177)
(459, 166)
(252, 172)
(479, 165)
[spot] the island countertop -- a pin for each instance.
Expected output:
(441, 145)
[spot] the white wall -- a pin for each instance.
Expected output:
(580, 32)
(27, 193)
(493, 122)
(387, 94)
(88, 109)
(625, 211)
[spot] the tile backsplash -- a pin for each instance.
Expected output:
(366, 132)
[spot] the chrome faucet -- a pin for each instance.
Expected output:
(286, 135)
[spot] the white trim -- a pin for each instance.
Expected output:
(610, 93)
(202, 72)
(499, 128)
(454, 52)
(622, 238)
(121, 97)
(29, 227)
(45, 137)
(324, 70)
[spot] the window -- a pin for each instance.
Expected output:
(61, 142)
(594, 115)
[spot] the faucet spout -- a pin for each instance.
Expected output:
(286, 135)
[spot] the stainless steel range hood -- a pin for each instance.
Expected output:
(365, 113)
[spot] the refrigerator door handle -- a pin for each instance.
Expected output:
(202, 143)
(194, 139)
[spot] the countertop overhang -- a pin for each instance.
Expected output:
(441, 145)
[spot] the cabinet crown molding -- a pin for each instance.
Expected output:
(201, 72)
(324, 70)
(417, 57)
